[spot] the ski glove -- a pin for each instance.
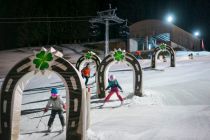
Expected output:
(64, 106)
(45, 110)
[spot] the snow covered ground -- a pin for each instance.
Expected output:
(175, 104)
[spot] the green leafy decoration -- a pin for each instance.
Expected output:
(42, 59)
(119, 56)
(88, 55)
(162, 47)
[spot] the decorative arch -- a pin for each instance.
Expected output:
(163, 47)
(86, 58)
(117, 56)
(14, 84)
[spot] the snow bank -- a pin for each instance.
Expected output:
(149, 98)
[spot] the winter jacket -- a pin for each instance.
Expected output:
(86, 72)
(57, 103)
(114, 85)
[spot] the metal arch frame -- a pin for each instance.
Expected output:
(101, 75)
(156, 52)
(76, 93)
(82, 59)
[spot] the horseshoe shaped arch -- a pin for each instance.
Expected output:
(88, 57)
(103, 69)
(156, 52)
(13, 85)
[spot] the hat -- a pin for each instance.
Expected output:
(54, 91)
(111, 77)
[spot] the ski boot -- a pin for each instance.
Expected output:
(49, 129)
(63, 127)
(121, 103)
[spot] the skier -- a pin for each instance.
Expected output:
(190, 56)
(164, 58)
(58, 106)
(86, 73)
(114, 85)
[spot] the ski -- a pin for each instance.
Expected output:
(120, 105)
(47, 132)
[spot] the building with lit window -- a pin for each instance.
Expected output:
(148, 34)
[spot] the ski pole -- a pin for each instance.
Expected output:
(40, 120)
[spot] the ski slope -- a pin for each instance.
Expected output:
(175, 104)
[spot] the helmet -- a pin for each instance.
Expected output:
(111, 77)
(54, 91)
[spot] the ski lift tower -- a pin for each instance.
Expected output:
(107, 17)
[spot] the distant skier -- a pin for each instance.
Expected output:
(58, 106)
(190, 56)
(114, 85)
(164, 58)
(86, 73)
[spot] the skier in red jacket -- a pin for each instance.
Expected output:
(86, 73)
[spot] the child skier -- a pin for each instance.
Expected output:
(114, 85)
(86, 73)
(58, 106)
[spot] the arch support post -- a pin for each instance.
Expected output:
(43, 61)
(163, 47)
(115, 56)
(89, 56)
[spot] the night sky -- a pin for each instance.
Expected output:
(190, 15)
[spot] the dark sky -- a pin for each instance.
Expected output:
(190, 15)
